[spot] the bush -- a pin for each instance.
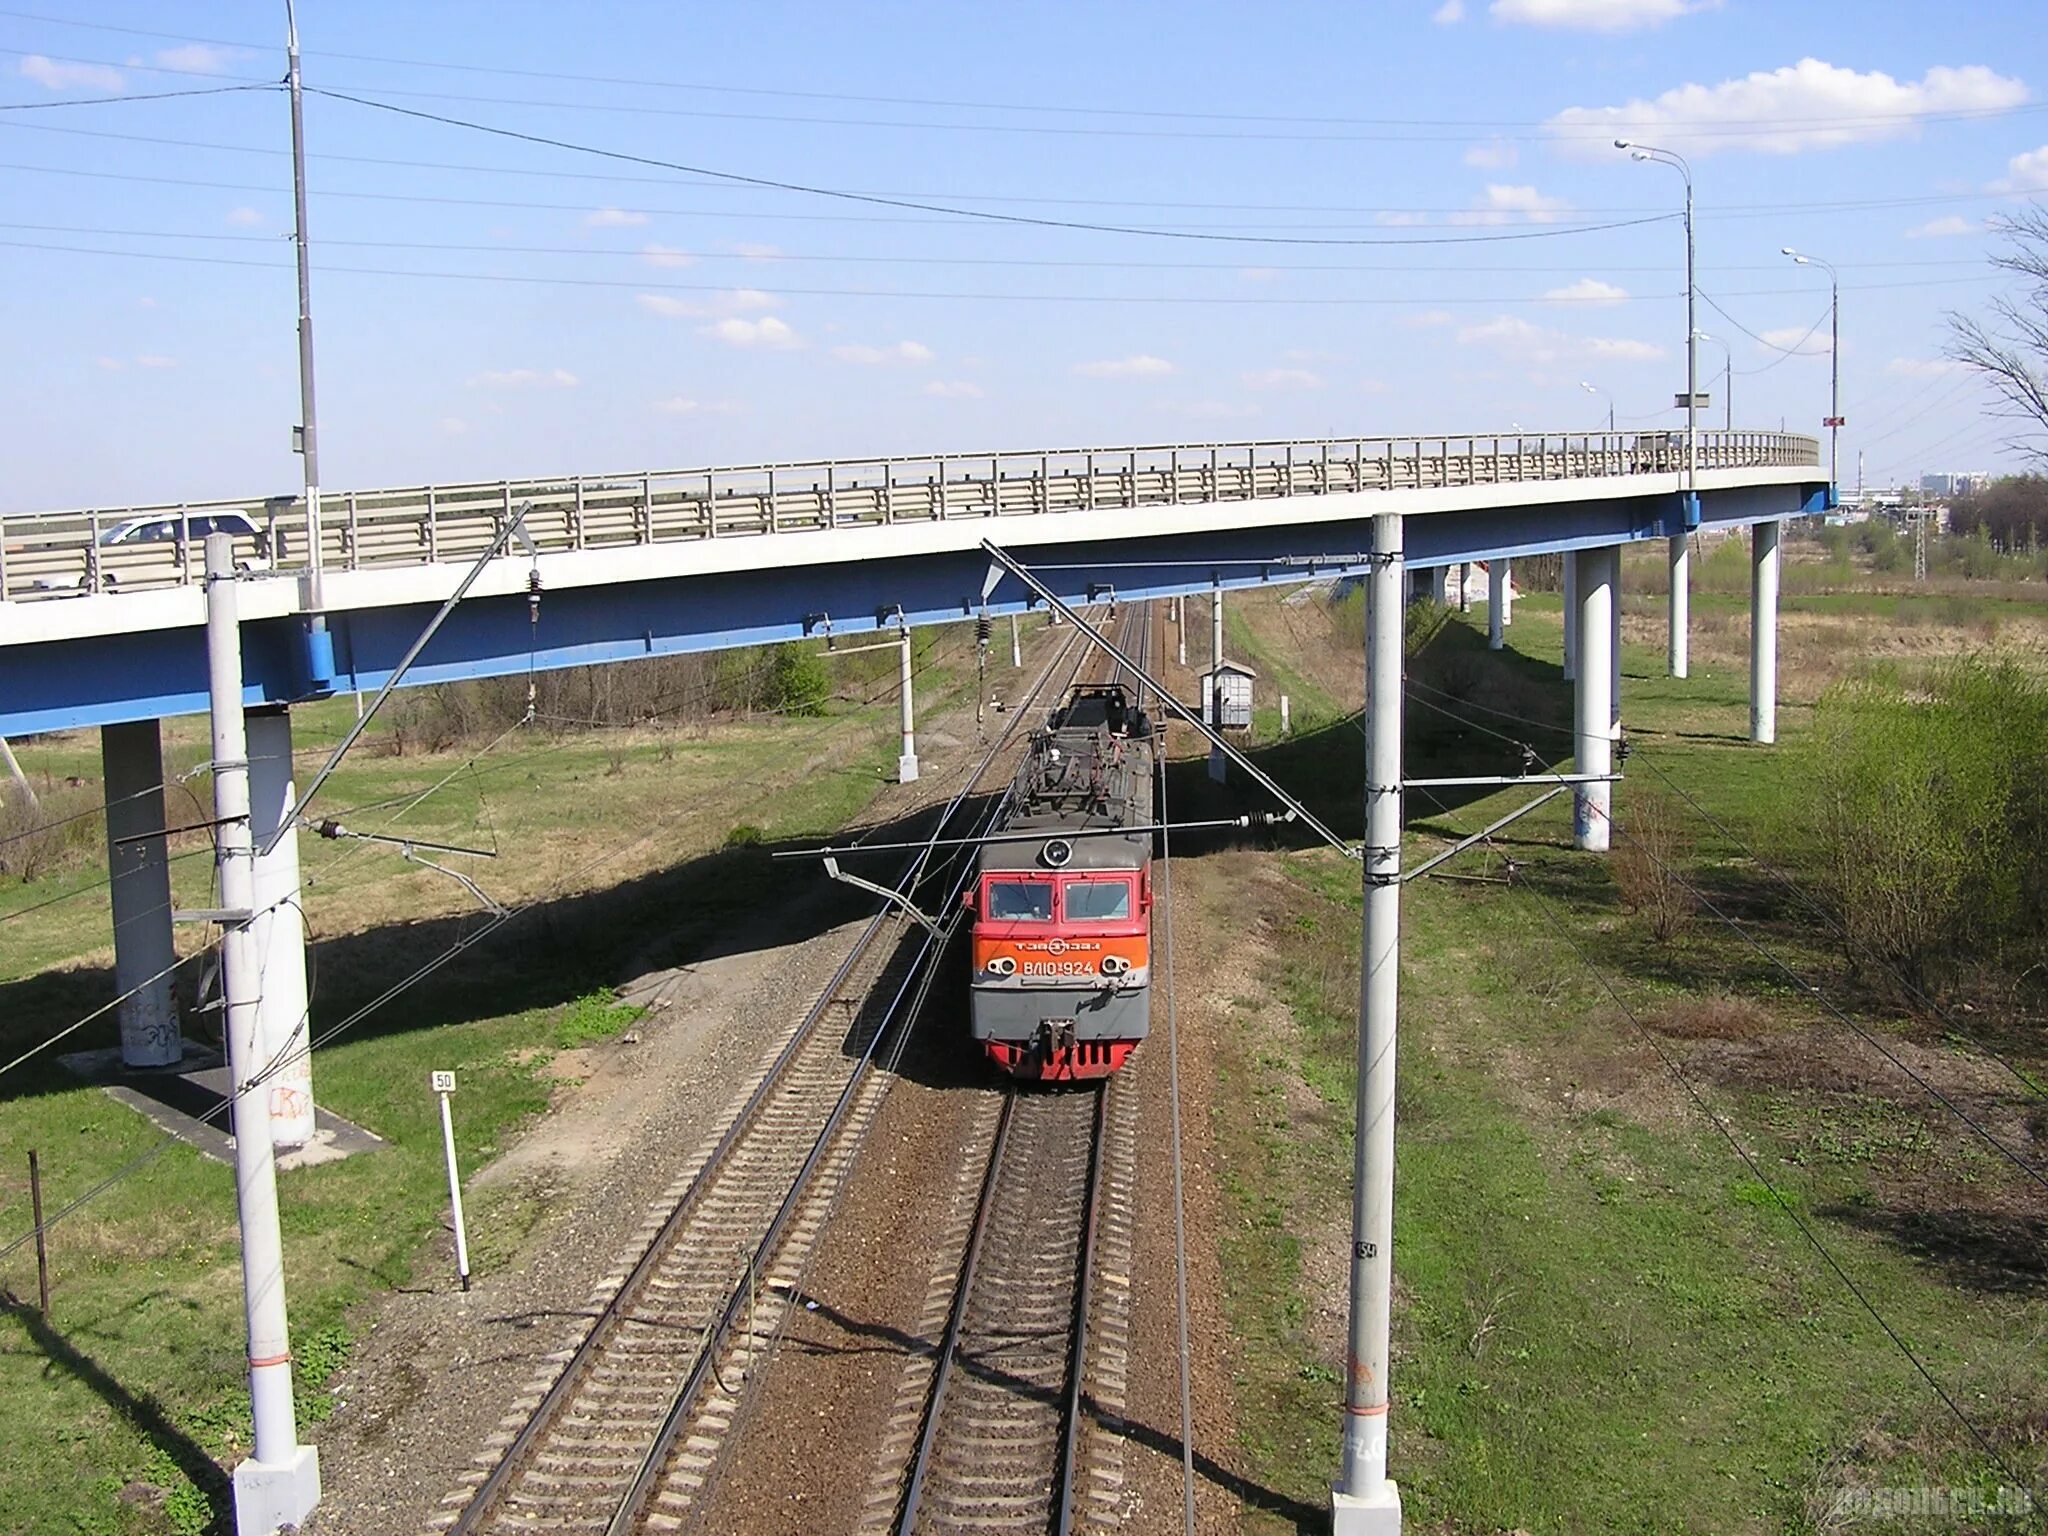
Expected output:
(1932, 817)
(799, 681)
(36, 840)
(1648, 860)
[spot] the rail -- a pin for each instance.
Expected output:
(102, 549)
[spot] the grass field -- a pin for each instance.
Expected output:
(1605, 1319)
(627, 848)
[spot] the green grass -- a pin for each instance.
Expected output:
(1604, 1320)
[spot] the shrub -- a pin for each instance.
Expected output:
(799, 681)
(1648, 860)
(1932, 816)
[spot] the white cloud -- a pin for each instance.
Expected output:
(1310, 355)
(1449, 14)
(155, 360)
(1796, 339)
(454, 426)
(198, 58)
(1493, 155)
(767, 332)
(244, 218)
(1587, 290)
(734, 301)
(1596, 15)
(756, 252)
(1501, 204)
(524, 378)
(111, 364)
(67, 77)
(682, 405)
(1137, 366)
(1534, 343)
(901, 352)
(612, 218)
(1283, 378)
(953, 389)
(1935, 229)
(1808, 105)
(656, 254)
(2025, 173)
(1921, 367)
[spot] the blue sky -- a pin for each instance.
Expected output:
(488, 307)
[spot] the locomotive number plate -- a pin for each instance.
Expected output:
(1058, 968)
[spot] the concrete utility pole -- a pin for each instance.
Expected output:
(309, 424)
(1595, 389)
(906, 762)
(279, 1484)
(1365, 1502)
(1464, 586)
(1180, 628)
(1016, 644)
(1216, 624)
(1681, 563)
(1496, 603)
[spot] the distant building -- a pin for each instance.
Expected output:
(1955, 482)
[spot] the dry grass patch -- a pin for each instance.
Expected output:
(1715, 1017)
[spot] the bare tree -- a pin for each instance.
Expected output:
(2009, 347)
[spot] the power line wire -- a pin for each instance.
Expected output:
(1958, 114)
(917, 206)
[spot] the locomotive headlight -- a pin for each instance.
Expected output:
(1114, 965)
(1003, 965)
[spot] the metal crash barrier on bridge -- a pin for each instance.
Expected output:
(66, 554)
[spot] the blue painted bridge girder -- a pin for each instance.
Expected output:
(98, 679)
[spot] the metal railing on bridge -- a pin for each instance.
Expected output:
(66, 554)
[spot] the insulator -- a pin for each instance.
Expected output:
(981, 629)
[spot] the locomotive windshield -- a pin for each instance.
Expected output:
(1013, 901)
(1098, 901)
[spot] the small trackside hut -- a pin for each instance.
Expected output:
(1062, 899)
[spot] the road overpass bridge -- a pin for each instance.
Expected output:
(102, 627)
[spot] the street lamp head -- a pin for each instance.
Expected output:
(1639, 154)
(1623, 144)
(1588, 388)
(1786, 250)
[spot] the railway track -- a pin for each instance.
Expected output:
(627, 1433)
(1013, 1422)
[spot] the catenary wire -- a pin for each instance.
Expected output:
(1957, 114)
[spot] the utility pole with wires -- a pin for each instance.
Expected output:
(279, 1484)
(309, 424)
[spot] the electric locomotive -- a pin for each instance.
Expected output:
(1062, 899)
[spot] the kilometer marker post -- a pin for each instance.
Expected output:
(444, 1085)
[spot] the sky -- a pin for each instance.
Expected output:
(788, 232)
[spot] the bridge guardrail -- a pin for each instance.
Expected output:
(65, 554)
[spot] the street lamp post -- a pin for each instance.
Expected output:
(1834, 421)
(1727, 379)
(1595, 389)
(1681, 576)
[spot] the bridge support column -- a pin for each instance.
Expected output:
(1681, 601)
(906, 762)
(1571, 614)
(1763, 632)
(1507, 592)
(132, 763)
(279, 928)
(1364, 1501)
(1464, 586)
(1593, 697)
(1496, 606)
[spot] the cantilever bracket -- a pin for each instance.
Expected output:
(895, 898)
